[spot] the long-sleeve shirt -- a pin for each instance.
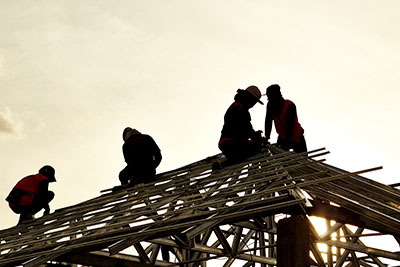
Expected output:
(141, 151)
(237, 123)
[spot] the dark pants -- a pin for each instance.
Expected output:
(26, 212)
(236, 150)
(134, 175)
(297, 147)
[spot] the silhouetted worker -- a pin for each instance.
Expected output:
(238, 138)
(142, 156)
(284, 115)
(31, 194)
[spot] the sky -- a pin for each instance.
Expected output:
(74, 74)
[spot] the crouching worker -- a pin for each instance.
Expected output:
(142, 156)
(31, 194)
(238, 138)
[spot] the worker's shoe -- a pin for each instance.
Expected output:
(216, 166)
(25, 217)
(118, 188)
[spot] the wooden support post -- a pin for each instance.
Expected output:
(329, 248)
(271, 237)
(293, 242)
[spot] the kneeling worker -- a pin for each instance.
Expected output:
(142, 156)
(238, 138)
(31, 194)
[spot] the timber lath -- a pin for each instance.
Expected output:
(193, 216)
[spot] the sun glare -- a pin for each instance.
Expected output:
(321, 226)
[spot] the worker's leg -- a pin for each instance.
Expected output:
(125, 175)
(36, 207)
(301, 146)
(237, 150)
(25, 213)
(251, 148)
(283, 144)
(143, 175)
(233, 150)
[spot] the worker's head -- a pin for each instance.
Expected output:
(49, 172)
(274, 92)
(128, 132)
(255, 92)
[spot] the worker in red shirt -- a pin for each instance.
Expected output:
(284, 115)
(238, 138)
(142, 156)
(31, 194)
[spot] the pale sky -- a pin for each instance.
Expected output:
(74, 74)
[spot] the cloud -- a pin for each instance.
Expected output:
(9, 123)
(13, 124)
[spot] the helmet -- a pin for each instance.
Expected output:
(254, 91)
(49, 172)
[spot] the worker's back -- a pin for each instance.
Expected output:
(141, 153)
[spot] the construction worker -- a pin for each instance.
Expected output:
(31, 194)
(142, 156)
(284, 115)
(238, 138)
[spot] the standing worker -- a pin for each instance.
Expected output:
(284, 115)
(238, 138)
(31, 194)
(142, 156)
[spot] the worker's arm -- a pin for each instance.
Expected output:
(239, 121)
(156, 153)
(290, 119)
(41, 198)
(268, 124)
(157, 157)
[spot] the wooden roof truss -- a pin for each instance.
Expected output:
(192, 216)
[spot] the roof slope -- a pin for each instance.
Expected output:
(196, 215)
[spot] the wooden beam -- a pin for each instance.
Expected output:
(293, 242)
(103, 259)
(363, 249)
(344, 215)
(222, 240)
(220, 252)
(340, 260)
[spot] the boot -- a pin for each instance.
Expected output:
(24, 217)
(216, 166)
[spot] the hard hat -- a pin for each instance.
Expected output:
(49, 172)
(253, 90)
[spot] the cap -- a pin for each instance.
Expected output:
(49, 172)
(255, 92)
(274, 90)
(128, 131)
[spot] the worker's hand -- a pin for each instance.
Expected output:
(46, 212)
(264, 141)
(258, 138)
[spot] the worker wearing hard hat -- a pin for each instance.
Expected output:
(238, 138)
(31, 194)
